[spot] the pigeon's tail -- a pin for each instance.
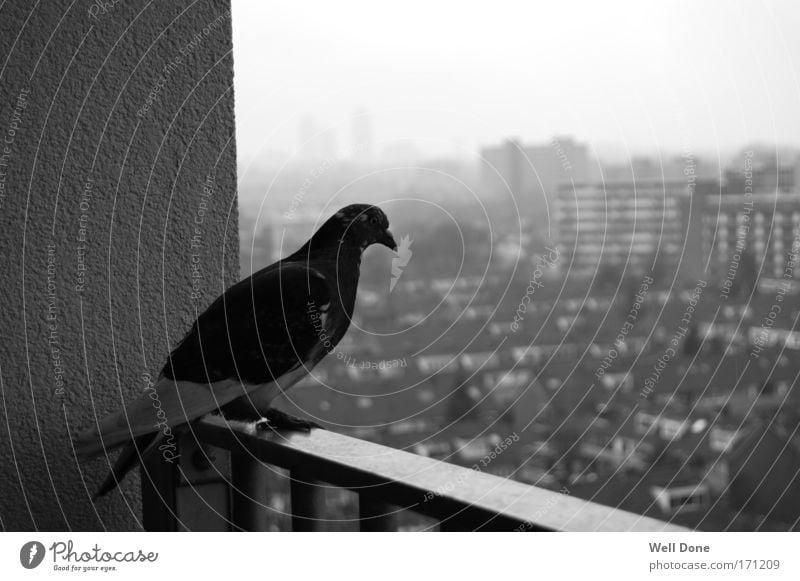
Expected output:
(90, 443)
(134, 451)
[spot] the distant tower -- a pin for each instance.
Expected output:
(363, 140)
(532, 174)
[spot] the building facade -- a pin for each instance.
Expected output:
(645, 225)
(531, 174)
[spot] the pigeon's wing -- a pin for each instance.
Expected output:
(262, 331)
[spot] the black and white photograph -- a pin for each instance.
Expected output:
(373, 267)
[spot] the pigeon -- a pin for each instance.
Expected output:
(253, 343)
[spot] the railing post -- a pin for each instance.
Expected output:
(375, 515)
(307, 502)
(201, 498)
(159, 495)
(249, 492)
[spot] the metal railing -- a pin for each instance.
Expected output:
(228, 488)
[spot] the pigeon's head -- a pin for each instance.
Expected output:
(359, 225)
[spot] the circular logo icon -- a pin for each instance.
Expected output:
(31, 554)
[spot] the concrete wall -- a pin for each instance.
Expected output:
(119, 223)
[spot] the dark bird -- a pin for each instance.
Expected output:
(252, 344)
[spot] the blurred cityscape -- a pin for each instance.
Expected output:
(620, 330)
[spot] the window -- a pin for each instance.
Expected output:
(644, 422)
(671, 429)
(720, 439)
(682, 498)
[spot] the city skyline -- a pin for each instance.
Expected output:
(697, 85)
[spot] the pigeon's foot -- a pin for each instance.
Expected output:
(275, 420)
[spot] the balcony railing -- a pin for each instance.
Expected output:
(221, 484)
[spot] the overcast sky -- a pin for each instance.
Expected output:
(453, 75)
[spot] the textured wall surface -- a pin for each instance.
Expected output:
(119, 222)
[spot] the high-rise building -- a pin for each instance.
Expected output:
(645, 225)
(670, 168)
(751, 228)
(755, 231)
(765, 171)
(532, 173)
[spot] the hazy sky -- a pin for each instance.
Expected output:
(454, 75)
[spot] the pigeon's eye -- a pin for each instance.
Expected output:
(373, 220)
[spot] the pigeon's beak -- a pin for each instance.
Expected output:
(387, 240)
